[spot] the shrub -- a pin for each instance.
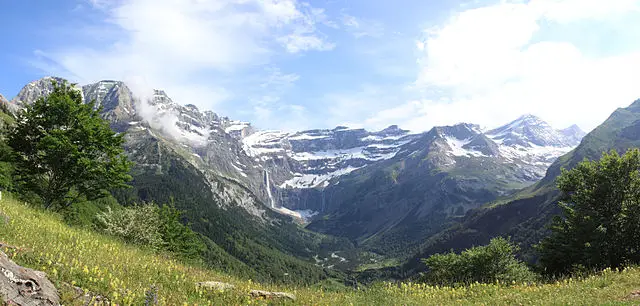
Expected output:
(137, 224)
(158, 227)
(484, 264)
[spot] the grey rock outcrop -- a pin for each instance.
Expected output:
(23, 286)
(216, 285)
(270, 295)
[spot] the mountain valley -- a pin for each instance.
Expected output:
(373, 197)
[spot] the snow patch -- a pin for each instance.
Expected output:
(236, 126)
(304, 215)
(457, 149)
(239, 170)
(308, 137)
(315, 180)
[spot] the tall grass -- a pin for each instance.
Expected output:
(126, 273)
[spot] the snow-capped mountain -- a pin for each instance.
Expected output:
(533, 143)
(433, 179)
(530, 130)
(160, 127)
(283, 169)
(317, 156)
(573, 134)
(371, 187)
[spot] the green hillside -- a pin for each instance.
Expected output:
(124, 273)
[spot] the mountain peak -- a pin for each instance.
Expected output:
(529, 130)
(390, 128)
(528, 120)
(35, 89)
(391, 131)
(6, 105)
(574, 134)
(529, 116)
(573, 128)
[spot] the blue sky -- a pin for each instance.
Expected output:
(290, 64)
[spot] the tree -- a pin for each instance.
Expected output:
(485, 264)
(65, 151)
(600, 224)
(179, 238)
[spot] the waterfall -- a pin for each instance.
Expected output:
(266, 178)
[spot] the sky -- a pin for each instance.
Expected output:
(294, 65)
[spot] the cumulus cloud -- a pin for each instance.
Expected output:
(199, 51)
(490, 64)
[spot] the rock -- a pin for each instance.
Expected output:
(23, 286)
(269, 294)
(216, 285)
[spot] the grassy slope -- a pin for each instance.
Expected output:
(124, 272)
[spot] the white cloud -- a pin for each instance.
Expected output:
(351, 108)
(300, 42)
(197, 50)
(572, 10)
(493, 64)
(267, 108)
(359, 27)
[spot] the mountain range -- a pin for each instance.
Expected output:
(524, 216)
(388, 194)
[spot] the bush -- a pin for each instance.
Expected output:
(484, 264)
(158, 227)
(136, 224)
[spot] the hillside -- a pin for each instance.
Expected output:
(186, 157)
(124, 273)
(525, 215)
(373, 196)
(392, 206)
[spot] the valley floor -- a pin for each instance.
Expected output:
(125, 273)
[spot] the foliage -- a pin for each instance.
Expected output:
(484, 264)
(265, 252)
(601, 216)
(65, 151)
(127, 275)
(137, 224)
(177, 237)
(85, 213)
(6, 153)
(157, 227)
(6, 165)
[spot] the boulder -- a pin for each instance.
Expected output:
(23, 286)
(270, 295)
(216, 285)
